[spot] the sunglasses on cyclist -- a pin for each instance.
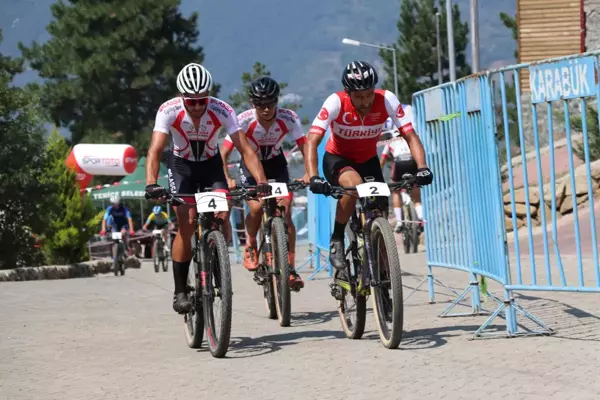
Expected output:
(190, 101)
(271, 105)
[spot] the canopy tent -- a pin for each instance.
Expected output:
(132, 186)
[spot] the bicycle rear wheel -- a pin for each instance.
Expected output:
(218, 285)
(388, 305)
(194, 320)
(281, 277)
(352, 309)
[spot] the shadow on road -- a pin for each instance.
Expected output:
(430, 338)
(312, 318)
(244, 347)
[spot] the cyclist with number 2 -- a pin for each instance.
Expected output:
(266, 126)
(192, 121)
(356, 117)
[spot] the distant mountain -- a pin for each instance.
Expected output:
(300, 41)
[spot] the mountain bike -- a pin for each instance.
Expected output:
(159, 255)
(210, 275)
(411, 226)
(372, 264)
(273, 272)
(118, 252)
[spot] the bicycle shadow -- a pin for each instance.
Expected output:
(312, 318)
(431, 338)
(246, 347)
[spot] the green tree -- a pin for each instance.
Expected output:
(73, 218)
(511, 23)
(111, 63)
(22, 194)
(416, 48)
(239, 100)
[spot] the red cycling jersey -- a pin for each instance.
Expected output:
(353, 137)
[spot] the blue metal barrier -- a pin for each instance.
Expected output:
(464, 206)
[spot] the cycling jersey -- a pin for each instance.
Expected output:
(159, 220)
(189, 143)
(117, 217)
(353, 137)
(267, 144)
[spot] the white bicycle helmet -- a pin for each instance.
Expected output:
(194, 79)
(115, 198)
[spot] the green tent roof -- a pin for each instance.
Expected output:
(132, 186)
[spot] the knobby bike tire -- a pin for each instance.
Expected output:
(381, 229)
(281, 277)
(268, 291)
(413, 228)
(353, 330)
(218, 336)
(155, 257)
(194, 320)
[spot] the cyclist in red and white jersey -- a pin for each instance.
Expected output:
(191, 121)
(266, 126)
(355, 117)
(398, 152)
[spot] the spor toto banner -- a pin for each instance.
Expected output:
(105, 159)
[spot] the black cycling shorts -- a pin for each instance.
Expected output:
(188, 176)
(334, 165)
(400, 168)
(275, 169)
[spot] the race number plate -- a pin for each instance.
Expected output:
(156, 232)
(370, 189)
(211, 202)
(278, 189)
(116, 235)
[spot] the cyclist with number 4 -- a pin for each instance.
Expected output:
(266, 126)
(356, 117)
(192, 121)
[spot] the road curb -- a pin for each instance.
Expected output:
(79, 270)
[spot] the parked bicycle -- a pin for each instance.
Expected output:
(273, 272)
(160, 257)
(374, 268)
(210, 275)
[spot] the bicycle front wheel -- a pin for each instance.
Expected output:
(155, 256)
(388, 305)
(217, 290)
(281, 277)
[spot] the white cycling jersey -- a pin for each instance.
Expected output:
(189, 143)
(267, 143)
(398, 147)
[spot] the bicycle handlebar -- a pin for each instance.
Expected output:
(407, 182)
(238, 193)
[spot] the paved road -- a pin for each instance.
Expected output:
(117, 338)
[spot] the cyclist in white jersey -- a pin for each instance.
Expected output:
(403, 162)
(192, 121)
(266, 126)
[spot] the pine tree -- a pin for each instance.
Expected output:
(416, 48)
(109, 64)
(73, 218)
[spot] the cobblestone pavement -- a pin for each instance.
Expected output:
(117, 338)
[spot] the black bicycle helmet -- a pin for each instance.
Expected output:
(264, 89)
(359, 75)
